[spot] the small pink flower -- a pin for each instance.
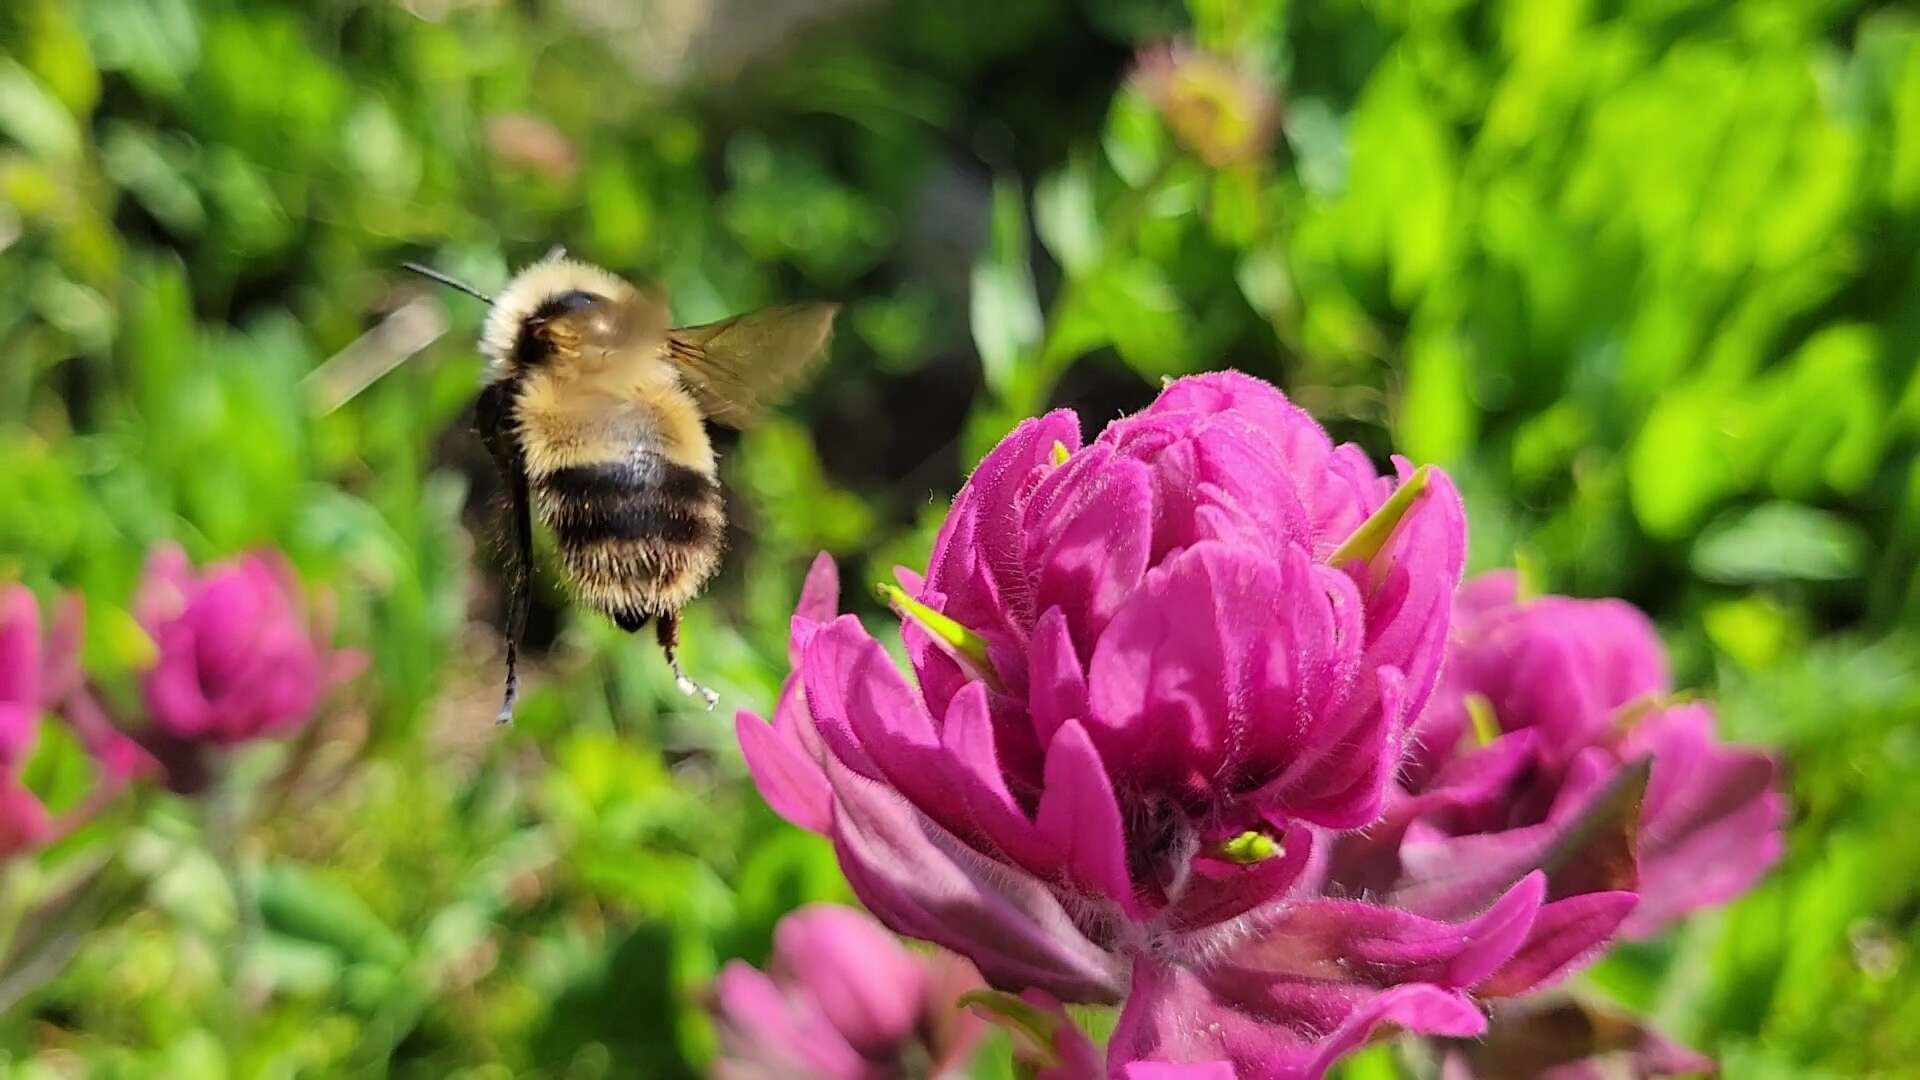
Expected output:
(842, 1000)
(35, 672)
(39, 675)
(238, 658)
(24, 824)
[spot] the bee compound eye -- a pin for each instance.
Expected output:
(575, 301)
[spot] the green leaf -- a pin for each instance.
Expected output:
(1032, 1028)
(1781, 541)
(1005, 313)
(1677, 466)
(1438, 418)
(1063, 215)
(31, 116)
(295, 901)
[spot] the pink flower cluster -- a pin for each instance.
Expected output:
(235, 660)
(1205, 728)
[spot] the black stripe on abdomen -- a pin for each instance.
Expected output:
(643, 498)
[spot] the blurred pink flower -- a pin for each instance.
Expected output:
(1150, 671)
(41, 674)
(843, 1000)
(35, 672)
(238, 658)
(24, 824)
(1216, 107)
(1578, 696)
(1554, 743)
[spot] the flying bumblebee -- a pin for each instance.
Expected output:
(594, 412)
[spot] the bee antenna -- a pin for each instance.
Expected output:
(451, 283)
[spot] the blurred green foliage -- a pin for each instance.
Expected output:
(1642, 275)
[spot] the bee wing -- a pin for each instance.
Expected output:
(736, 367)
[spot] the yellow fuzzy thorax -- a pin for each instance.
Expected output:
(528, 289)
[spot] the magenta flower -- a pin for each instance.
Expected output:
(1573, 696)
(1555, 743)
(1557, 666)
(1150, 670)
(238, 658)
(843, 1000)
(38, 675)
(35, 674)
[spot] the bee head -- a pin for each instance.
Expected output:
(553, 311)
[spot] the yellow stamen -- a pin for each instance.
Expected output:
(1486, 725)
(967, 648)
(1248, 848)
(1373, 533)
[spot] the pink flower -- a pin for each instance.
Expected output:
(1554, 744)
(24, 824)
(238, 659)
(35, 674)
(842, 1000)
(41, 674)
(1150, 670)
(1558, 666)
(1578, 696)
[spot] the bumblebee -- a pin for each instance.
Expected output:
(595, 413)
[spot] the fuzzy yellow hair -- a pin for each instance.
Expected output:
(529, 289)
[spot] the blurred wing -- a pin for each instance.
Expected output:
(736, 367)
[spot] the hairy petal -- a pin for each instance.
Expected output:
(789, 778)
(924, 882)
(1712, 822)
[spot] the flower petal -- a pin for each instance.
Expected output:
(1268, 1029)
(1216, 676)
(1079, 816)
(976, 560)
(790, 780)
(1089, 555)
(922, 881)
(1211, 898)
(870, 988)
(765, 1032)
(21, 663)
(1166, 1070)
(1711, 824)
(1566, 936)
(1585, 845)
(1056, 681)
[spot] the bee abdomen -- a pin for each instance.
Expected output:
(640, 536)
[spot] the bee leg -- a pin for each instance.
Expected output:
(668, 629)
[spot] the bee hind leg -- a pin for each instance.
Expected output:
(667, 627)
